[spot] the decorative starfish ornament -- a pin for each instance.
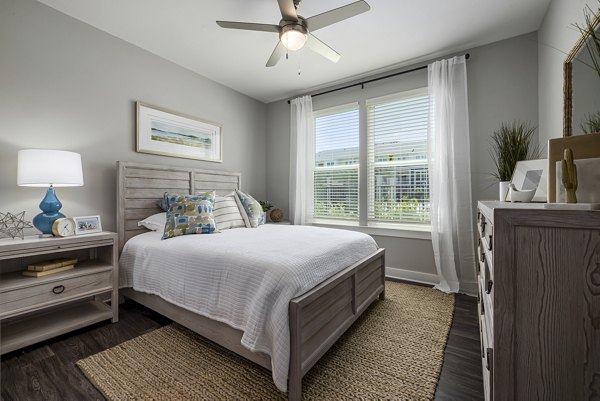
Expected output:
(13, 224)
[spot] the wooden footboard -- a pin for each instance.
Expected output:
(319, 317)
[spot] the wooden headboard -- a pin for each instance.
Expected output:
(139, 186)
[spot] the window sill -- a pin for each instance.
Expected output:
(413, 231)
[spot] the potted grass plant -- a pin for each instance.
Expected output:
(591, 124)
(512, 142)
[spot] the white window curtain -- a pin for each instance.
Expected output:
(450, 172)
(302, 161)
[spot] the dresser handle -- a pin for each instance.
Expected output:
(58, 289)
(490, 283)
(488, 356)
(490, 243)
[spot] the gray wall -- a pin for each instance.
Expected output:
(66, 85)
(502, 81)
(556, 38)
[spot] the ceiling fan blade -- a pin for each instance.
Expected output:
(314, 43)
(288, 10)
(249, 26)
(276, 55)
(336, 15)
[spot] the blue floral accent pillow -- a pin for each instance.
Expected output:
(189, 214)
(168, 199)
(253, 209)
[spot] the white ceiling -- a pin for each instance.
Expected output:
(392, 34)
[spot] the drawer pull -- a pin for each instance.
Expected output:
(490, 243)
(490, 283)
(58, 289)
(488, 357)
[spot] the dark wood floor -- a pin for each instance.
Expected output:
(47, 371)
(461, 377)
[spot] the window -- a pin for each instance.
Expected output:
(396, 186)
(398, 179)
(337, 163)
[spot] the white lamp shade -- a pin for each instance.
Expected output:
(42, 168)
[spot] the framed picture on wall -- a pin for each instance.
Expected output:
(164, 132)
(531, 174)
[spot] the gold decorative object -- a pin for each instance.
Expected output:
(13, 224)
(569, 176)
(276, 215)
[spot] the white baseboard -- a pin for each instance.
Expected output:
(466, 287)
(411, 275)
(469, 288)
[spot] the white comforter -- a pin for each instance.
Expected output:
(244, 277)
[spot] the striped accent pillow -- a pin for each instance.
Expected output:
(226, 212)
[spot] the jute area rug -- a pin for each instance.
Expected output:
(394, 351)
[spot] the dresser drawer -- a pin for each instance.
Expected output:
(487, 354)
(487, 278)
(17, 301)
(487, 382)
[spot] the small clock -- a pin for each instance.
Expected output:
(63, 227)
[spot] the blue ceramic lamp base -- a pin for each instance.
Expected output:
(50, 206)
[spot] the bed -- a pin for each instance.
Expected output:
(317, 317)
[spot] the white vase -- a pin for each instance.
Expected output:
(503, 185)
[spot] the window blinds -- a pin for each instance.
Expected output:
(398, 183)
(336, 163)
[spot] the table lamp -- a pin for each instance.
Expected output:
(48, 168)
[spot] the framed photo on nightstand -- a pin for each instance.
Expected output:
(87, 225)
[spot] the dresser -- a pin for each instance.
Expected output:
(539, 302)
(35, 309)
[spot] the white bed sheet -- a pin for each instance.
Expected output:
(244, 277)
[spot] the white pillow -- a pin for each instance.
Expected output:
(156, 222)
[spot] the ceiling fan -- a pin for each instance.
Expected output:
(295, 31)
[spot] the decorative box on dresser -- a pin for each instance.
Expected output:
(35, 309)
(539, 302)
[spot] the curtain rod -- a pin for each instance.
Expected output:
(362, 83)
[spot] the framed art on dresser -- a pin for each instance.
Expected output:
(583, 147)
(531, 174)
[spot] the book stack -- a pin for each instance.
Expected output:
(50, 267)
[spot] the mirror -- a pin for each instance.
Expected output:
(582, 80)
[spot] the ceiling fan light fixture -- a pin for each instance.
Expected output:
(293, 37)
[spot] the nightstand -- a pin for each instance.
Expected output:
(283, 223)
(35, 309)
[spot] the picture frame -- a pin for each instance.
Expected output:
(588, 181)
(583, 147)
(87, 225)
(163, 132)
(530, 174)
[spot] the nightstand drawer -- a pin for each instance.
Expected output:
(17, 301)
